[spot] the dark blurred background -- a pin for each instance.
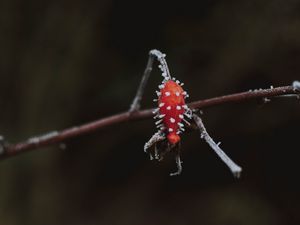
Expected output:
(64, 63)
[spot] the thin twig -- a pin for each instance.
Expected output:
(136, 104)
(57, 137)
(235, 169)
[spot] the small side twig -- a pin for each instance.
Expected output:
(235, 169)
(136, 104)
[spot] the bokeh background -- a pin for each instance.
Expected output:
(64, 63)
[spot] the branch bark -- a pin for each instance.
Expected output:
(56, 137)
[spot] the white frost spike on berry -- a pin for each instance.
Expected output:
(169, 108)
(162, 116)
(158, 122)
(156, 116)
(187, 122)
(155, 111)
(172, 120)
(178, 107)
(180, 124)
(167, 93)
(161, 104)
(170, 130)
(181, 116)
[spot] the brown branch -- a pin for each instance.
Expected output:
(55, 137)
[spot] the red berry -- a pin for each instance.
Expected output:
(172, 105)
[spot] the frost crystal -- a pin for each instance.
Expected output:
(296, 85)
(38, 139)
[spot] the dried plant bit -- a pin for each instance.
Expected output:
(156, 155)
(179, 166)
(158, 136)
(151, 157)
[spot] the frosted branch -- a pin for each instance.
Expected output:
(235, 169)
(10, 150)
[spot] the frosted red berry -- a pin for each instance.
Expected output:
(172, 108)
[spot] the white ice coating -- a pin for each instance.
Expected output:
(296, 85)
(38, 139)
(163, 64)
